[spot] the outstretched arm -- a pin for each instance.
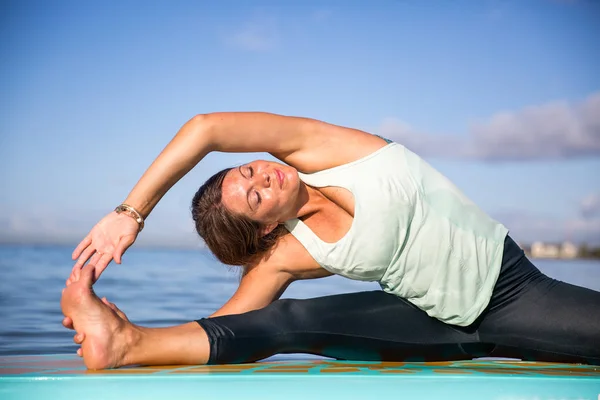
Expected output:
(306, 144)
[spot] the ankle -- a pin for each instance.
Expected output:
(132, 339)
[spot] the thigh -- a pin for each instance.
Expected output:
(548, 320)
(362, 326)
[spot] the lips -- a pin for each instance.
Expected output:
(279, 177)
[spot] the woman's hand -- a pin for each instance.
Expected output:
(108, 240)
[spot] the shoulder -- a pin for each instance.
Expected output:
(288, 256)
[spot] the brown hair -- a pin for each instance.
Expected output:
(233, 238)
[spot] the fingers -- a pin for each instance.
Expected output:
(67, 323)
(76, 271)
(78, 338)
(101, 265)
(87, 253)
(84, 243)
(79, 352)
(123, 245)
(95, 258)
(97, 264)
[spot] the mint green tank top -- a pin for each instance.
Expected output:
(414, 232)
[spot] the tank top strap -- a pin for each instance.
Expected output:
(305, 236)
(317, 179)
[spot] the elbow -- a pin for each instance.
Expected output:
(199, 120)
(201, 125)
(205, 122)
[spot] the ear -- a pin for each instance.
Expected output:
(269, 228)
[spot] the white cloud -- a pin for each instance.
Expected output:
(556, 130)
(420, 142)
(257, 35)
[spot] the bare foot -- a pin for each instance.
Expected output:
(107, 335)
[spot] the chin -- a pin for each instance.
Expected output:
(293, 180)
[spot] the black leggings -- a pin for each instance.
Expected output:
(530, 316)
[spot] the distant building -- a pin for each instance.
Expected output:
(569, 250)
(542, 250)
(546, 250)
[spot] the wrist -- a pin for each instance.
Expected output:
(141, 204)
(131, 212)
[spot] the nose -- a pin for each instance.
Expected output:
(261, 179)
(266, 181)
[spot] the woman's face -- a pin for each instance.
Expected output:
(264, 191)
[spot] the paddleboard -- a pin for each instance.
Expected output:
(65, 377)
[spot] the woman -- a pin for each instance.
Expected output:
(345, 202)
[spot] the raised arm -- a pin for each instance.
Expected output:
(284, 137)
(306, 144)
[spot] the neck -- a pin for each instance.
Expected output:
(310, 201)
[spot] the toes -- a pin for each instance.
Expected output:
(72, 278)
(86, 275)
(67, 322)
(78, 338)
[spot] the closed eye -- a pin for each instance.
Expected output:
(258, 199)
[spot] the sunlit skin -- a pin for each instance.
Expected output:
(267, 192)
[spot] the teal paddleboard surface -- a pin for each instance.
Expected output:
(65, 377)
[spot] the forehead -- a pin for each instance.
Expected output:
(234, 192)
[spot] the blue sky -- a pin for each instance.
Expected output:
(502, 96)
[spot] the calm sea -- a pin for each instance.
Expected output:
(154, 288)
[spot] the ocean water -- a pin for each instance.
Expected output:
(154, 288)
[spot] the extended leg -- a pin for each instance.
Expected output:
(361, 326)
(110, 340)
